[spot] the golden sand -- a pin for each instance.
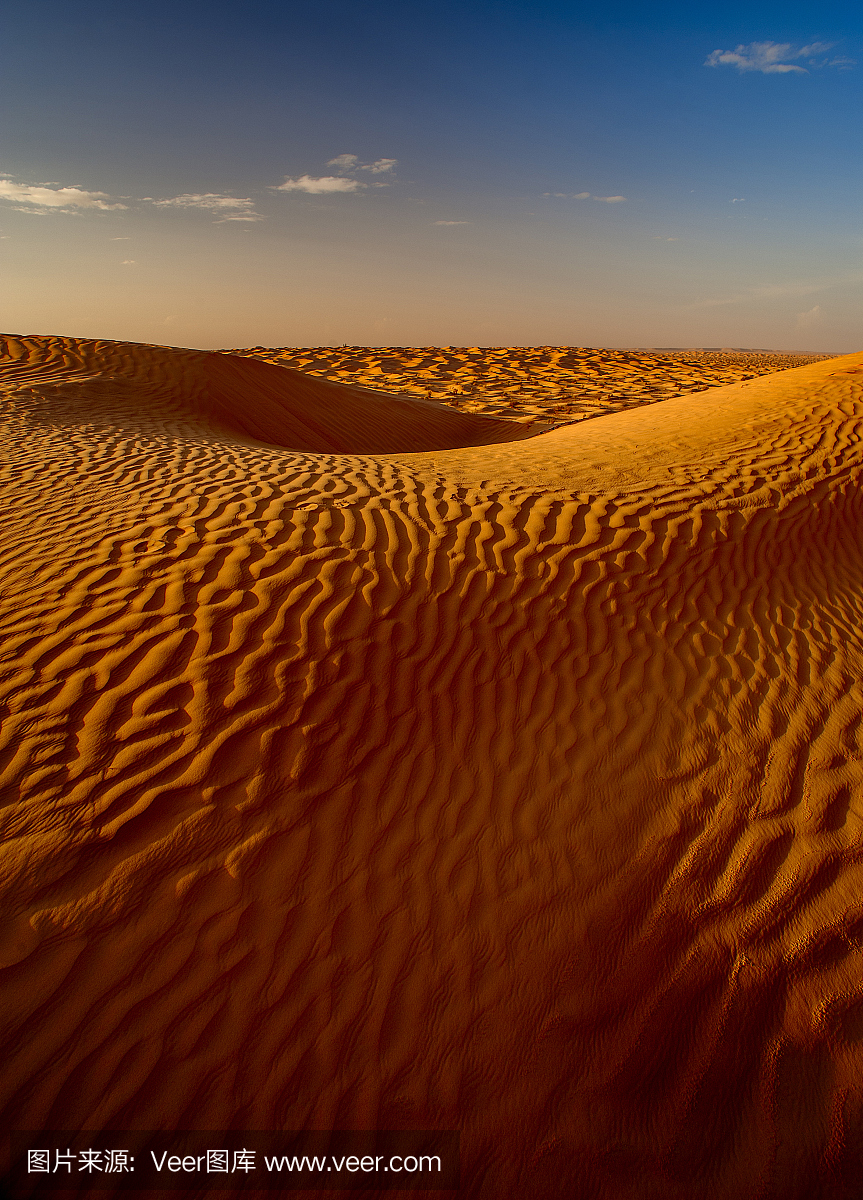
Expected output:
(362, 773)
(555, 384)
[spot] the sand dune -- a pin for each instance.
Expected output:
(247, 398)
(556, 384)
(362, 773)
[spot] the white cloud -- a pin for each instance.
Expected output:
(229, 208)
(452, 222)
(326, 184)
(808, 320)
(128, 262)
(344, 162)
(775, 58)
(379, 167)
(45, 196)
(348, 166)
(206, 200)
(350, 162)
(584, 196)
(815, 48)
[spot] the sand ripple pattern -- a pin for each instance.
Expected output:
(548, 385)
(514, 789)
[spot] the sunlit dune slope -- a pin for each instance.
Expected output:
(507, 788)
(727, 441)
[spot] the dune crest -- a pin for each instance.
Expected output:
(507, 788)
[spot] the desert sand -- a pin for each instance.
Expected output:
(370, 764)
(550, 385)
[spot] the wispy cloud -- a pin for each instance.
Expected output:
(809, 320)
(452, 222)
(41, 197)
(214, 200)
(229, 208)
(776, 58)
(325, 184)
(344, 162)
(778, 291)
(585, 196)
(381, 166)
(774, 290)
(348, 163)
(347, 180)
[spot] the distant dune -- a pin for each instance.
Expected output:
(556, 384)
(369, 764)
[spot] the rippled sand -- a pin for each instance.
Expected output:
(368, 764)
(558, 385)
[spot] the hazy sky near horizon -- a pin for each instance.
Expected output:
(433, 173)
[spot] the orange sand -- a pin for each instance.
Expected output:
(555, 384)
(356, 780)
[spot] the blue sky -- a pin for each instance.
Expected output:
(415, 174)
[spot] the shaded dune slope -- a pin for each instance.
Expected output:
(515, 789)
(247, 398)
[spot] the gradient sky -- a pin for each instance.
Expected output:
(433, 173)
